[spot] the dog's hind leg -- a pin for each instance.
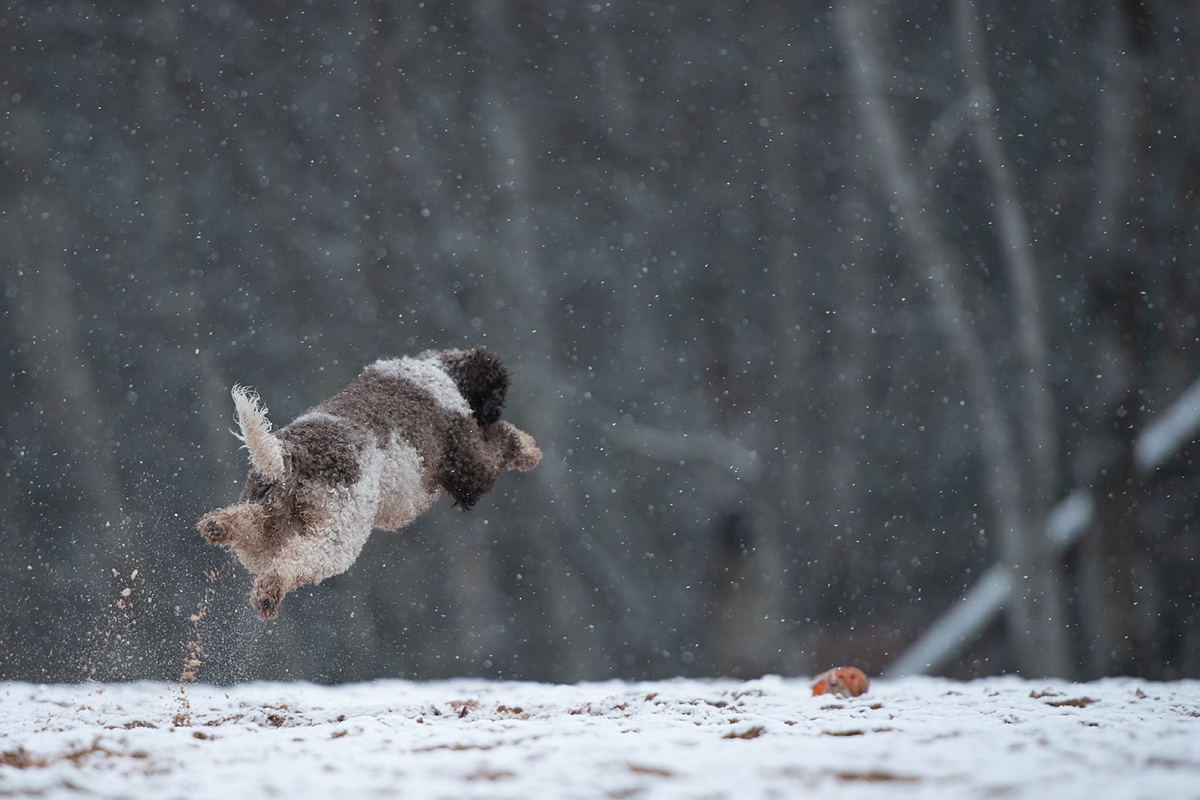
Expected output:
(309, 558)
(231, 525)
(267, 594)
(323, 549)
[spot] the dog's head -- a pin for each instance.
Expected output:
(481, 378)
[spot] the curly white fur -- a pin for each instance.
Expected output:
(427, 373)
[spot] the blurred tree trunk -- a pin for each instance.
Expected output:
(786, 480)
(1038, 427)
(37, 224)
(1115, 643)
(1036, 615)
(1036, 419)
(512, 132)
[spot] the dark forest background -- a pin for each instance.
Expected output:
(815, 311)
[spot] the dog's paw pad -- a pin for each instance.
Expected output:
(217, 528)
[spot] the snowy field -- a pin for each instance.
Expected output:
(913, 738)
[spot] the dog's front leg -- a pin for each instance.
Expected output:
(514, 448)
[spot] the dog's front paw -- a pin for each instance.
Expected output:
(267, 595)
(528, 454)
(218, 527)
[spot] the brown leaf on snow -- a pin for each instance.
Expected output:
(21, 759)
(749, 733)
(463, 707)
(874, 776)
(641, 770)
(1077, 702)
(512, 711)
(483, 774)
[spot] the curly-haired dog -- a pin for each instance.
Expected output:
(375, 455)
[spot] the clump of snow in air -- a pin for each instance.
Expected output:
(909, 738)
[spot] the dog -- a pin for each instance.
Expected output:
(375, 455)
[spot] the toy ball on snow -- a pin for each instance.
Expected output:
(842, 681)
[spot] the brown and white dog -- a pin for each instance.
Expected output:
(375, 455)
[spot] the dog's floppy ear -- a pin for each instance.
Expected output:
(482, 380)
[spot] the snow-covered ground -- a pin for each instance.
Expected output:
(910, 738)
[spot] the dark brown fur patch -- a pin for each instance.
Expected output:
(323, 450)
(384, 405)
(467, 473)
(482, 380)
(387, 405)
(282, 514)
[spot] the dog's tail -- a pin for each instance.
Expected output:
(266, 451)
